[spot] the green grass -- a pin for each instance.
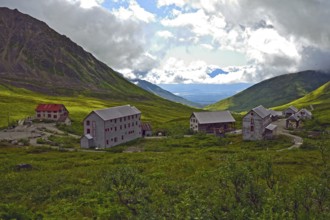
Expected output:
(20, 103)
(320, 99)
(172, 179)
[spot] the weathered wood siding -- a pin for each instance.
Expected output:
(254, 126)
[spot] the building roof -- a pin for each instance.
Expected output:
(261, 111)
(294, 109)
(271, 127)
(214, 117)
(306, 111)
(88, 136)
(117, 112)
(275, 113)
(49, 107)
(293, 118)
(146, 127)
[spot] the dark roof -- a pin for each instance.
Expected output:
(146, 127)
(49, 107)
(261, 111)
(117, 112)
(214, 117)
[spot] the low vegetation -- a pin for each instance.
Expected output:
(202, 177)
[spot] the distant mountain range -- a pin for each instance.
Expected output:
(274, 92)
(163, 93)
(205, 94)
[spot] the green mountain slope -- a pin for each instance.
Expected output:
(274, 92)
(38, 65)
(320, 101)
(18, 103)
(163, 93)
(35, 57)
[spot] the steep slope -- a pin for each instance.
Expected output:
(274, 92)
(163, 93)
(320, 101)
(35, 57)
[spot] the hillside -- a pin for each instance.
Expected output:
(18, 103)
(35, 57)
(38, 65)
(163, 93)
(319, 99)
(274, 92)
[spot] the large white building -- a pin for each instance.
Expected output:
(112, 126)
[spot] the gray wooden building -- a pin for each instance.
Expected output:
(290, 111)
(256, 124)
(218, 122)
(304, 114)
(112, 126)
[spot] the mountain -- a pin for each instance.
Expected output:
(319, 99)
(274, 92)
(34, 56)
(163, 93)
(205, 94)
(38, 65)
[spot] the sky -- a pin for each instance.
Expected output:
(188, 41)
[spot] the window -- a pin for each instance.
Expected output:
(115, 139)
(107, 141)
(121, 127)
(49, 115)
(132, 124)
(128, 117)
(122, 137)
(251, 114)
(38, 115)
(125, 126)
(88, 122)
(115, 128)
(120, 119)
(252, 128)
(135, 123)
(124, 118)
(55, 116)
(88, 131)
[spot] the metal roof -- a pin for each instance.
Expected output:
(293, 118)
(117, 112)
(293, 108)
(88, 136)
(306, 111)
(275, 113)
(261, 111)
(146, 127)
(271, 127)
(214, 117)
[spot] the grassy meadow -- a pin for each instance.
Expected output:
(201, 177)
(196, 177)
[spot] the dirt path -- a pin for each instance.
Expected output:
(298, 141)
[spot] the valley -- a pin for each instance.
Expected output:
(180, 174)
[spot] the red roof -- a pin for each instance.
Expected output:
(49, 107)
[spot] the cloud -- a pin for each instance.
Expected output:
(117, 42)
(252, 40)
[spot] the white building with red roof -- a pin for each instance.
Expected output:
(53, 112)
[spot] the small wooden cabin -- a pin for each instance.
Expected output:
(290, 111)
(217, 123)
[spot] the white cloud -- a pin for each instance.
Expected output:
(162, 3)
(87, 3)
(165, 34)
(134, 12)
